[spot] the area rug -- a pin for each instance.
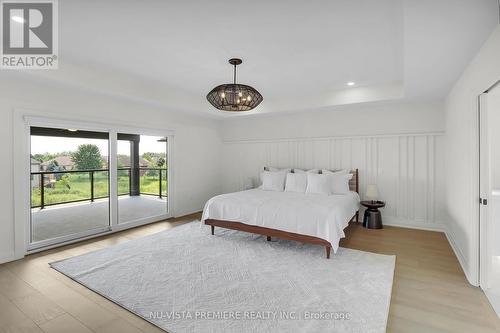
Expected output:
(186, 280)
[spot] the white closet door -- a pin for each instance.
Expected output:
(493, 107)
(490, 191)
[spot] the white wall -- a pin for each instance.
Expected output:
(397, 146)
(197, 141)
(462, 153)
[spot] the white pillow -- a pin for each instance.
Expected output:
(271, 169)
(336, 172)
(308, 171)
(340, 183)
(296, 182)
(318, 184)
(273, 181)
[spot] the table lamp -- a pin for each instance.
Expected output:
(371, 192)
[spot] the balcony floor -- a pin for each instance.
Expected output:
(66, 219)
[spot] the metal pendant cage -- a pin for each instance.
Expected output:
(234, 97)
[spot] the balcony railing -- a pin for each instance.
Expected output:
(69, 186)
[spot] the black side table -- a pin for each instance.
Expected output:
(372, 218)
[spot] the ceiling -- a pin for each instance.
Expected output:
(298, 54)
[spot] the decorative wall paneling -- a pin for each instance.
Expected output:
(407, 168)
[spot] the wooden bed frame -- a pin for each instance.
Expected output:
(353, 185)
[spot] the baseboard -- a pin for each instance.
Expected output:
(494, 300)
(435, 226)
(11, 256)
(461, 258)
(188, 212)
(394, 221)
(7, 258)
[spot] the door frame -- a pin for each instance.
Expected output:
(23, 120)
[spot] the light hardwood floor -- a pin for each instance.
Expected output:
(430, 292)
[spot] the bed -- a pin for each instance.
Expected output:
(283, 214)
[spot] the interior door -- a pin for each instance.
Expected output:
(490, 195)
(484, 190)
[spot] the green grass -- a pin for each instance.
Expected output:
(150, 183)
(72, 187)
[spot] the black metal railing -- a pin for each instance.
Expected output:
(91, 173)
(160, 178)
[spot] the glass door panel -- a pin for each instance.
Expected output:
(69, 184)
(141, 177)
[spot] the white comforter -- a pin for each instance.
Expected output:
(307, 214)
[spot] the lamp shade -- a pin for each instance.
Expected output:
(371, 192)
(233, 96)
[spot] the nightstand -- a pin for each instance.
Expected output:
(372, 218)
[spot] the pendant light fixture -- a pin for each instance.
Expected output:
(233, 96)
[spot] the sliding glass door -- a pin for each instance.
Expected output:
(142, 177)
(85, 182)
(69, 184)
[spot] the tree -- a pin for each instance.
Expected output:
(55, 167)
(64, 181)
(45, 157)
(87, 157)
(148, 156)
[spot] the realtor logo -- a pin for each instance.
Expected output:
(29, 34)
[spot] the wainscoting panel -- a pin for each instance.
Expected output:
(408, 169)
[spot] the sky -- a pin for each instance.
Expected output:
(44, 144)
